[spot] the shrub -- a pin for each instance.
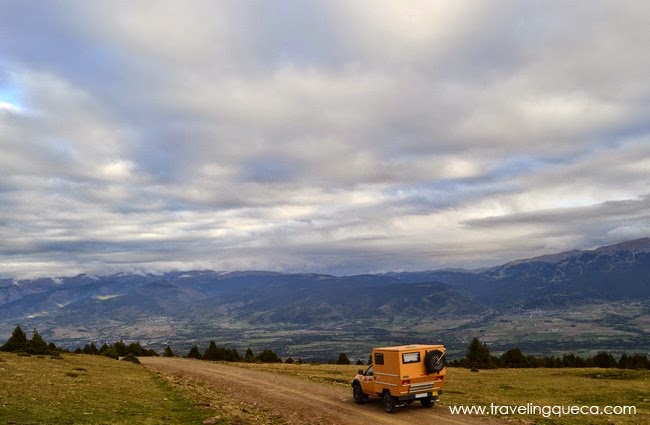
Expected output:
(131, 358)
(269, 356)
(513, 358)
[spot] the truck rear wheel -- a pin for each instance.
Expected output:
(426, 402)
(389, 403)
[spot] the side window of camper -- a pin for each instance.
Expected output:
(379, 358)
(410, 358)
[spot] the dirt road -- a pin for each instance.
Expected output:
(289, 400)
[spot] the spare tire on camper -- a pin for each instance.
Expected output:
(434, 361)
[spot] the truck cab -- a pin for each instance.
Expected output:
(401, 375)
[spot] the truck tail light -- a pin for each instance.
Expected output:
(406, 382)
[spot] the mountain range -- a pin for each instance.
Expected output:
(578, 301)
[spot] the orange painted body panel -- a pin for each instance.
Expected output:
(401, 370)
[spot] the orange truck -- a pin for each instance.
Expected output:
(401, 375)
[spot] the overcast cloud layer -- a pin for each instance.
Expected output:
(324, 136)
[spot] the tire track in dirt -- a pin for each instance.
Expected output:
(296, 400)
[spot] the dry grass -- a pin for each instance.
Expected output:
(79, 389)
(518, 387)
(221, 408)
(333, 374)
(551, 387)
(95, 390)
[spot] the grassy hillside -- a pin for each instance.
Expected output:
(79, 389)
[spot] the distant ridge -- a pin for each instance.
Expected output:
(300, 311)
(637, 245)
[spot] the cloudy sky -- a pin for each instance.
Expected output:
(324, 136)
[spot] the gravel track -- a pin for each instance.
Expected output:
(292, 400)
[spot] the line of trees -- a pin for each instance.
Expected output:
(478, 357)
(116, 350)
(19, 343)
(216, 353)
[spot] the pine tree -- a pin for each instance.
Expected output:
(212, 352)
(90, 349)
(136, 349)
(121, 348)
(343, 359)
(110, 352)
(248, 356)
(37, 344)
(478, 355)
(16, 342)
(168, 352)
(639, 361)
(231, 355)
(604, 360)
(194, 353)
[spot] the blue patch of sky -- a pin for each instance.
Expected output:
(448, 193)
(11, 94)
(519, 165)
(620, 135)
(441, 194)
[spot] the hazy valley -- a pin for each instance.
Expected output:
(577, 301)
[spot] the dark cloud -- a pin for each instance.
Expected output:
(620, 212)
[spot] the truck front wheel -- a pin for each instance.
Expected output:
(358, 394)
(389, 403)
